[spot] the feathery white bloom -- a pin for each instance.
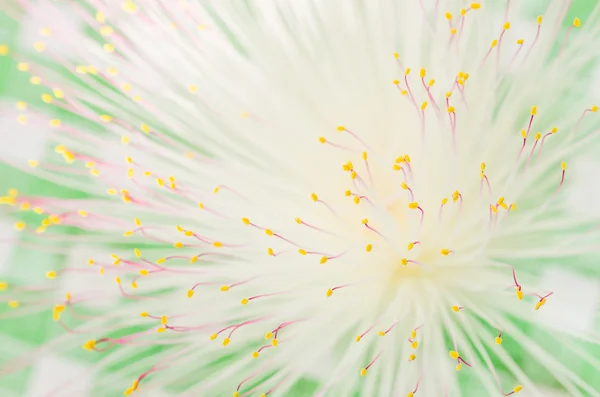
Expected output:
(280, 180)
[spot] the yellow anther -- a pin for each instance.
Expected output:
(236, 394)
(3, 285)
(494, 43)
(444, 200)
(201, 205)
(217, 244)
(463, 12)
(594, 108)
(445, 251)
(576, 22)
(448, 16)
(533, 110)
(20, 226)
(4, 50)
(269, 232)
(128, 233)
(194, 259)
(422, 72)
(413, 334)
(192, 89)
(458, 367)
(524, 134)
(450, 109)
(396, 167)
(498, 340)
(356, 200)
(353, 174)
(225, 288)
(517, 389)
(245, 301)
(358, 338)
(35, 80)
(255, 354)
(455, 308)
(411, 246)
(25, 206)
(246, 221)
(322, 139)
(412, 357)
(456, 195)
(404, 261)
(452, 31)
(563, 165)
(538, 136)
(13, 304)
(323, 260)
(270, 251)
(363, 372)
(414, 345)
(424, 105)
(47, 98)
(54, 123)
(539, 20)
(381, 333)
(89, 345)
(413, 206)
(520, 41)
(506, 26)
(454, 354)
(134, 284)
(364, 156)
(137, 253)
(314, 197)
(406, 158)
(369, 247)
(178, 244)
(431, 83)
(161, 329)
(129, 6)
(540, 304)
(395, 82)
(213, 336)
(341, 128)
(51, 275)
(160, 260)
(302, 251)
(407, 72)
(274, 342)
(163, 320)
(365, 221)
(117, 280)
(23, 67)
(475, 6)
(329, 292)
(268, 335)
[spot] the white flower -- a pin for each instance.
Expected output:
(272, 182)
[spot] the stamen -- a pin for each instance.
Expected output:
(364, 370)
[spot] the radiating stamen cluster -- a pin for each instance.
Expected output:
(254, 238)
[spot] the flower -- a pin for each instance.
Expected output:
(279, 192)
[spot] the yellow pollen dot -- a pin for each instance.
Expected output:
(506, 26)
(323, 260)
(407, 72)
(539, 20)
(270, 251)
(163, 320)
(363, 372)
(533, 110)
(58, 93)
(268, 335)
(245, 301)
(475, 6)
(458, 367)
(89, 345)
(322, 139)
(3, 285)
(194, 259)
(125, 140)
(452, 31)
(255, 355)
(178, 244)
(225, 288)
(314, 197)
(494, 43)
(217, 244)
(55, 123)
(226, 341)
(540, 304)
(404, 261)
(463, 12)
(369, 247)
(413, 334)
(23, 67)
(396, 55)
(161, 329)
(455, 309)
(563, 165)
(20, 226)
(498, 340)
(4, 50)
(137, 252)
(246, 221)
(445, 252)
(51, 275)
(412, 357)
(448, 16)
(381, 333)
(517, 389)
(413, 206)
(422, 72)
(91, 262)
(594, 108)
(47, 98)
(134, 284)
(201, 205)
(269, 232)
(13, 304)
(395, 82)
(576, 22)
(302, 251)
(520, 41)
(411, 246)
(213, 336)
(538, 136)
(450, 109)
(341, 128)
(160, 260)
(423, 105)
(22, 119)
(129, 6)
(117, 280)
(414, 345)
(329, 292)
(454, 354)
